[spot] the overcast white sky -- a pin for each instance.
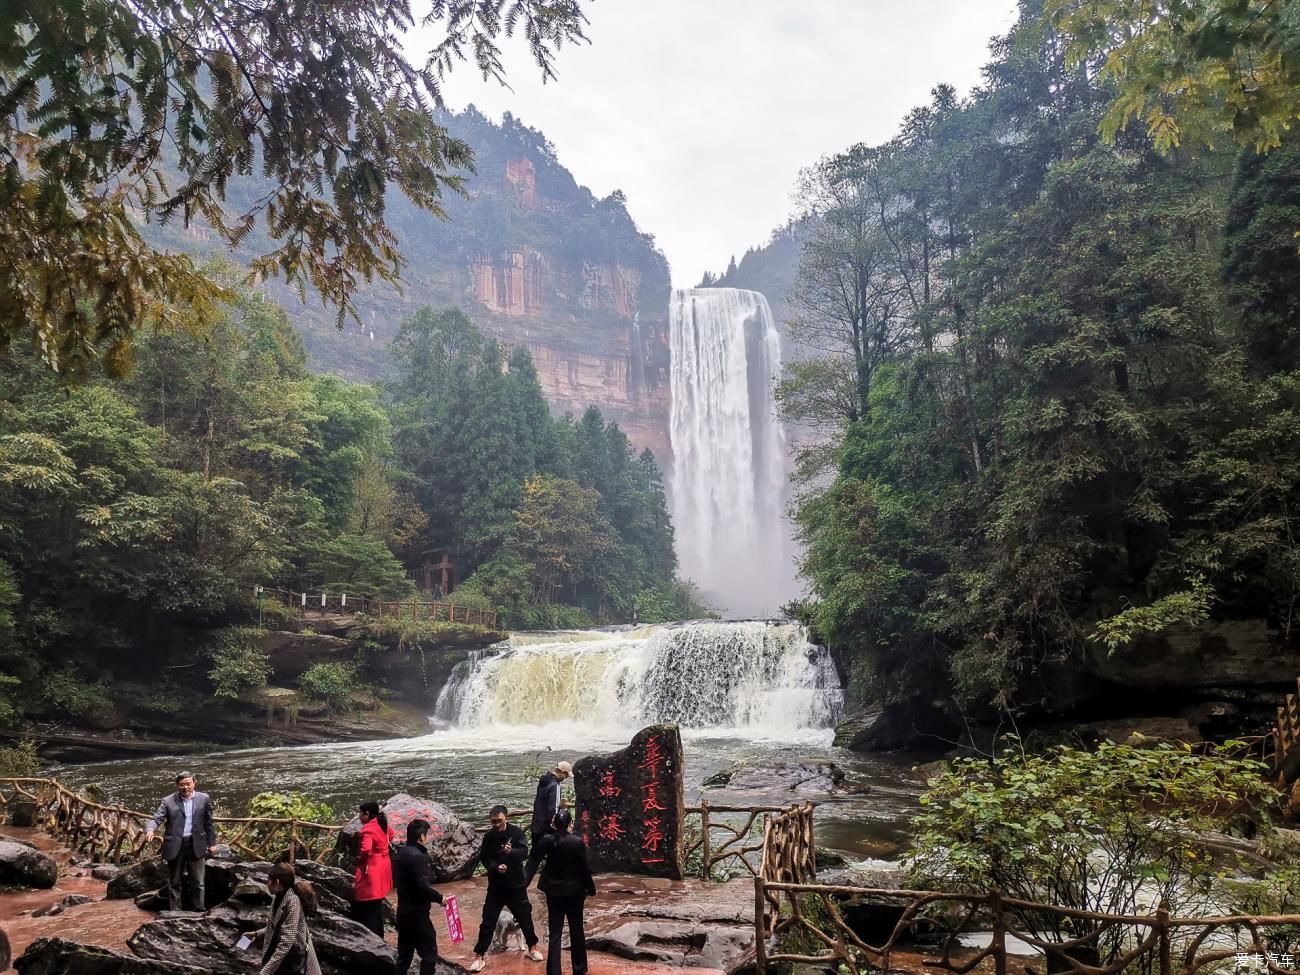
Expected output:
(704, 111)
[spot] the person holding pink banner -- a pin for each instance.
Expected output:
(413, 878)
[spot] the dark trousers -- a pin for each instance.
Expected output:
(195, 867)
(515, 898)
(541, 845)
(370, 914)
(415, 935)
(558, 909)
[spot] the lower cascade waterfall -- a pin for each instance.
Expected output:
(764, 677)
(728, 480)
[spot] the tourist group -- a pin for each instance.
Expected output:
(189, 836)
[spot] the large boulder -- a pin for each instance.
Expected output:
(139, 878)
(22, 866)
(55, 956)
(207, 942)
(897, 725)
(343, 946)
(1216, 654)
(802, 778)
(226, 877)
(453, 843)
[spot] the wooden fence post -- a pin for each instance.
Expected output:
(999, 933)
(760, 926)
(704, 841)
(1162, 919)
(293, 841)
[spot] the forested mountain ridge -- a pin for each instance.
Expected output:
(535, 259)
(1053, 387)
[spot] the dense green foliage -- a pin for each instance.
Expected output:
(543, 513)
(1207, 71)
(1056, 384)
(138, 514)
(1115, 830)
(114, 113)
(331, 683)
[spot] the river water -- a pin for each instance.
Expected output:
(751, 693)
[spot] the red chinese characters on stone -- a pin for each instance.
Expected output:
(586, 827)
(654, 835)
(654, 756)
(607, 786)
(650, 798)
(608, 827)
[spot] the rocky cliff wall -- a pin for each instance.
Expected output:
(535, 260)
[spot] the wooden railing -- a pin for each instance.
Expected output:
(727, 846)
(1287, 731)
(799, 921)
(327, 603)
(116, 834)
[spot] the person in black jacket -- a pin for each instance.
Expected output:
(567, 883)
(502, 853)
(545, 805)
(413, 878)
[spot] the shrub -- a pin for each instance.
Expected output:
(287, 805)
(19, 760)
(333, 683)
(1115, 830)
(238, 663)
(65, 691)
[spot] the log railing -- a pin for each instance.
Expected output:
(323, 603)
(798, 921)
(116, 834)
(725, 844)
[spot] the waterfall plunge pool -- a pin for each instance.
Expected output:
(753, 692)
(472, 769)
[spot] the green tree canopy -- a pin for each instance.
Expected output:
(117, 113)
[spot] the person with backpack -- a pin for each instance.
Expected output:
(413, 877)
(374, 874)
(288, 948)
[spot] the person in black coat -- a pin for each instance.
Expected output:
(567, 883)
(413, 878)
(545, 805)
(502, 854)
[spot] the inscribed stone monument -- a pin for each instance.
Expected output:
(631, 805)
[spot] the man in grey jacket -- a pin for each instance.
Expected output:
(189, 836)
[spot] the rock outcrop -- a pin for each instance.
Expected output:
(890, 727)
(24, 866)
(812, 778)
(55, 956)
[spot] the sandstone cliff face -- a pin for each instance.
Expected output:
(604, 357)
(535, 260)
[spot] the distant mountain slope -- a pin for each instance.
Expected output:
(533, 257)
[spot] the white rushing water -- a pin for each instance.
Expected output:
(728, 476)
(758, 679)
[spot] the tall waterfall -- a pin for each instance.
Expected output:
(729, 456)
(762, 677)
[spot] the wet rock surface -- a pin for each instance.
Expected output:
(23, 866)
(678, 943)
(57, 956)
(813, 778)
(140, 878)
(895, 726)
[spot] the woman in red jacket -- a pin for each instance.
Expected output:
(374, 876)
